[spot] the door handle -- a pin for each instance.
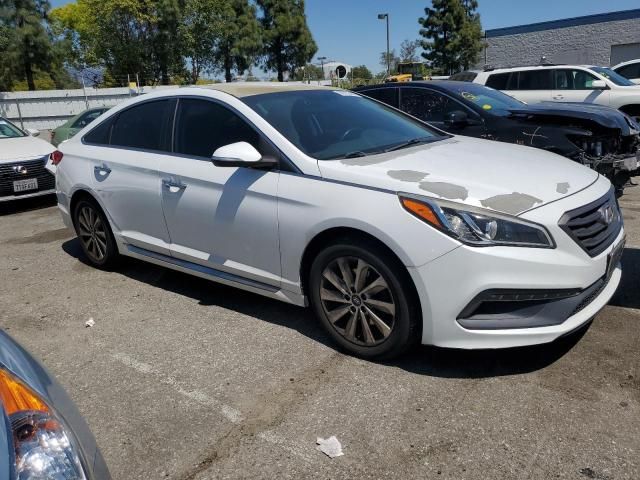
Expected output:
(102, 169)
(173, 186)
(558, 97)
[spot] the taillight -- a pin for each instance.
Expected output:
(56, 157)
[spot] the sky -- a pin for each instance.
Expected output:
(349, 30)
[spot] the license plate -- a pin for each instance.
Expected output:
(24, 185)
(613, 259)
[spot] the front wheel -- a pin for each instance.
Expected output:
(364, 299)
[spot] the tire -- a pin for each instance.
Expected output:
(381, 291)
(95, 235)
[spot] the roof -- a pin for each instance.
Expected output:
(564, 23)
(246, 89)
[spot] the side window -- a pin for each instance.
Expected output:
(100, 134)
(499, 81)
(384, 95)
(86, 119)
(203, 126)
(535, 80)
(630, 71)
(567, 79)
(427, 105)
(143, 126)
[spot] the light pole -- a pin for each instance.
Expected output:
(322, 59)
(385, 16)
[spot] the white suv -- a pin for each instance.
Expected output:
(393, 231)
(565, 83)
(630, 70)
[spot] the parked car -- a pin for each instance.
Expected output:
(394, 232)
(23, 159)
(43, 435)
(75, 124)
(630, 70)
(602, 138)
(563, 83)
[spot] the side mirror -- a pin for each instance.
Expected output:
(599, 85)
(456, 119)
(33, 132)
(241, 154)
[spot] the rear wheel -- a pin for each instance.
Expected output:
(363, 297)
(94, 233)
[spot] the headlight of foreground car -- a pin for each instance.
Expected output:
(42, 447)
(475, 226)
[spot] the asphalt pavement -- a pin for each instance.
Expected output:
(182, 378)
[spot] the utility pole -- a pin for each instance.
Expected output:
(322, 59)
(385, 16)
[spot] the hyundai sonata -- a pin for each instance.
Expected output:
(393, 231)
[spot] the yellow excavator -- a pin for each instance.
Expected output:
(409, 71)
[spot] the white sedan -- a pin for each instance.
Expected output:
(23, 159)
(394, 232)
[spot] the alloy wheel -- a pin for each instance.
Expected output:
(357, 301)
(92, 233)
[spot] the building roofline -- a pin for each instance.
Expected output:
(564, 23)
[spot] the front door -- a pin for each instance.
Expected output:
(224, 218)
(574, 85)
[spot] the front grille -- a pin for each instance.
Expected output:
(595, 226)
(35, 169)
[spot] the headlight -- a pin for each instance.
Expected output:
(42, 447)
(477, 226)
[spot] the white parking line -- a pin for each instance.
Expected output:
(230, 413)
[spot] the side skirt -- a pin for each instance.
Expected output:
(214, 275)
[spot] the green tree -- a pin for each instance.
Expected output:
(240, 39)
(409, 51)
(361, 72)
(393, 60)
(288, 43)
(308, 72)
(470, 35)
(165, 40)
(452, 34)
(199, 31)
(28, 46)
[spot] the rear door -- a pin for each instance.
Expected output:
(575, 85)
(225, 218)
(125, 173)
(531, 86)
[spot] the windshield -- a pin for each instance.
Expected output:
(8, 130)
(332, 124)
(488, 99)
(614, 77)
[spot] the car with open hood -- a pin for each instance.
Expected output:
(23, 162)
(394, 232)
(602, 138)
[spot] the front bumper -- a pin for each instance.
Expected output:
(449, 284)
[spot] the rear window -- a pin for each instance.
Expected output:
(143, 126)
(464, 77)
(535, 80)
(384, 95)
(499, 81)
(100, 134)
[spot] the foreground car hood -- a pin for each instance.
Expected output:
(605, 116)
(23, 148)
(507, 178)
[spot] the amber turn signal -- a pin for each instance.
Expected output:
(17, 397)
(422, 211)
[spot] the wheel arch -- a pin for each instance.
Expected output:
(334, 234)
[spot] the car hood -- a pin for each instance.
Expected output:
(502, 177)
(606, 116)
(23, 148)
